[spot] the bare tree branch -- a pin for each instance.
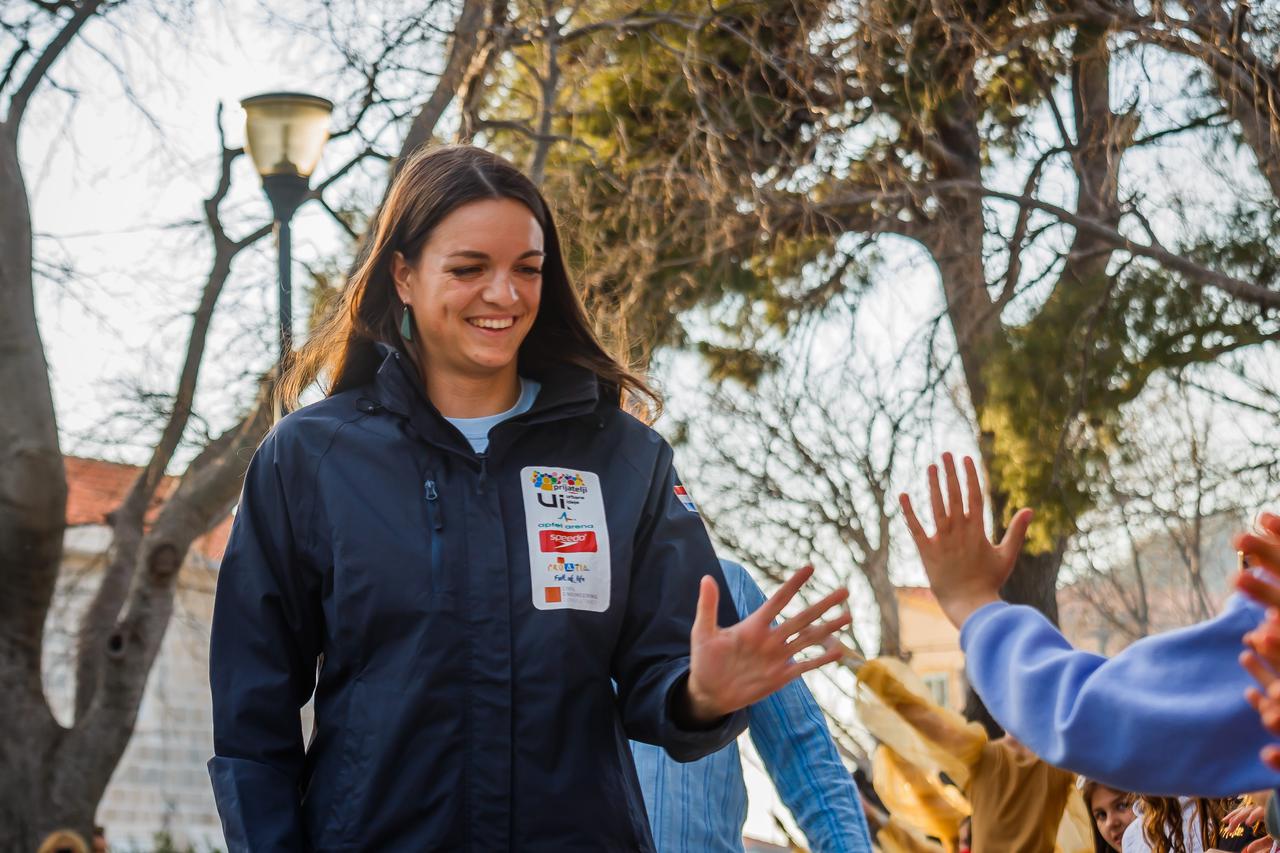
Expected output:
(462, 57)
(1246, 291)
(22, 95)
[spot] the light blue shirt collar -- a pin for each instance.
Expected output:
(476, 430)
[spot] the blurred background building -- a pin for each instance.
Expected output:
(160, 785)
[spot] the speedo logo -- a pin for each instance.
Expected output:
(567, 542)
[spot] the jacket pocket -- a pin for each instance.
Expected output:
(334, 785)
(398, 778)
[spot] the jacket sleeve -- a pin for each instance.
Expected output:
(262, 665)
(1165, 716)
(651, 660)
(791, 735)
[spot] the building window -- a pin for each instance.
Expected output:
(937, 684)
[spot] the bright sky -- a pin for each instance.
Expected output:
(108, 189)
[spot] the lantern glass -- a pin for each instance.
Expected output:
(285, 132)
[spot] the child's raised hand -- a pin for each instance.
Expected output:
(965, 568)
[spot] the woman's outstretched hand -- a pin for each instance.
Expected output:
(1262, 645)
(965, 569)
(730, 668)
(1260, 658)
(1261, 547)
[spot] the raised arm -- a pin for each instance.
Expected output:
(1165, 716)
(685, 694)
(790, 732)
(672, 552)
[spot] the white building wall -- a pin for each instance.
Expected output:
(161, 783)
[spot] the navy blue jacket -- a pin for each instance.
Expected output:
(461, 620)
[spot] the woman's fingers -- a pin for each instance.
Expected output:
(799, 668)
(806, 617)
(1260, 589)
(704, 619)
(1265, 641)
(816, 634)
(1255, 667)
(974, 509)
(1262, 548)
(1269, 710)
(935, 497)
(1267, 700)
(955, 500)
(1271, 756)
(1269, 522)
(913, 523)
(1245, 816)
(783, 595)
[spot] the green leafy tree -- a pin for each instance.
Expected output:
(728, 154)
(650, 132)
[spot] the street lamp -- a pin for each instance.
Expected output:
(284, 134)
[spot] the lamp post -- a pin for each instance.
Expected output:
(284, 134)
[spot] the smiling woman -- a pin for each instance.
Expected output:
(458, 223)
(487, 573)
(473, 295)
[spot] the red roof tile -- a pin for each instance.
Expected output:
(96, 487)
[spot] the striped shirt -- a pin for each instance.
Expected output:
(702, 806)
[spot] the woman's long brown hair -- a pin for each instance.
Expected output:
(341, 353)
(1162, 822)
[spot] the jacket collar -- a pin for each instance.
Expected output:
(568, 391)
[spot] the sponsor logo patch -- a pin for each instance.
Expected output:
(567, 541)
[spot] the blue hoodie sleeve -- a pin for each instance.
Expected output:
(1165, 716)
(262, 665)
(651, 660)
(791, 735)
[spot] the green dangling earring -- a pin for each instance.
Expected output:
(406, 324)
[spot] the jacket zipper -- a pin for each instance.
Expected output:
(436, 517)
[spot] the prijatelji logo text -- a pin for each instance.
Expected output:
(552, 481)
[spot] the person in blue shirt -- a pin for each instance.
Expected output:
(1165, 716)
(701, 806)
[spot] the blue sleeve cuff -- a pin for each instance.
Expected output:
(978, 619)
(258, 805)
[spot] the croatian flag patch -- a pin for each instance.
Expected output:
(685, 500)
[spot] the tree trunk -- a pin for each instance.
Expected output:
(33, 493)
(886, 596)
(31, 734)
(52, 777)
